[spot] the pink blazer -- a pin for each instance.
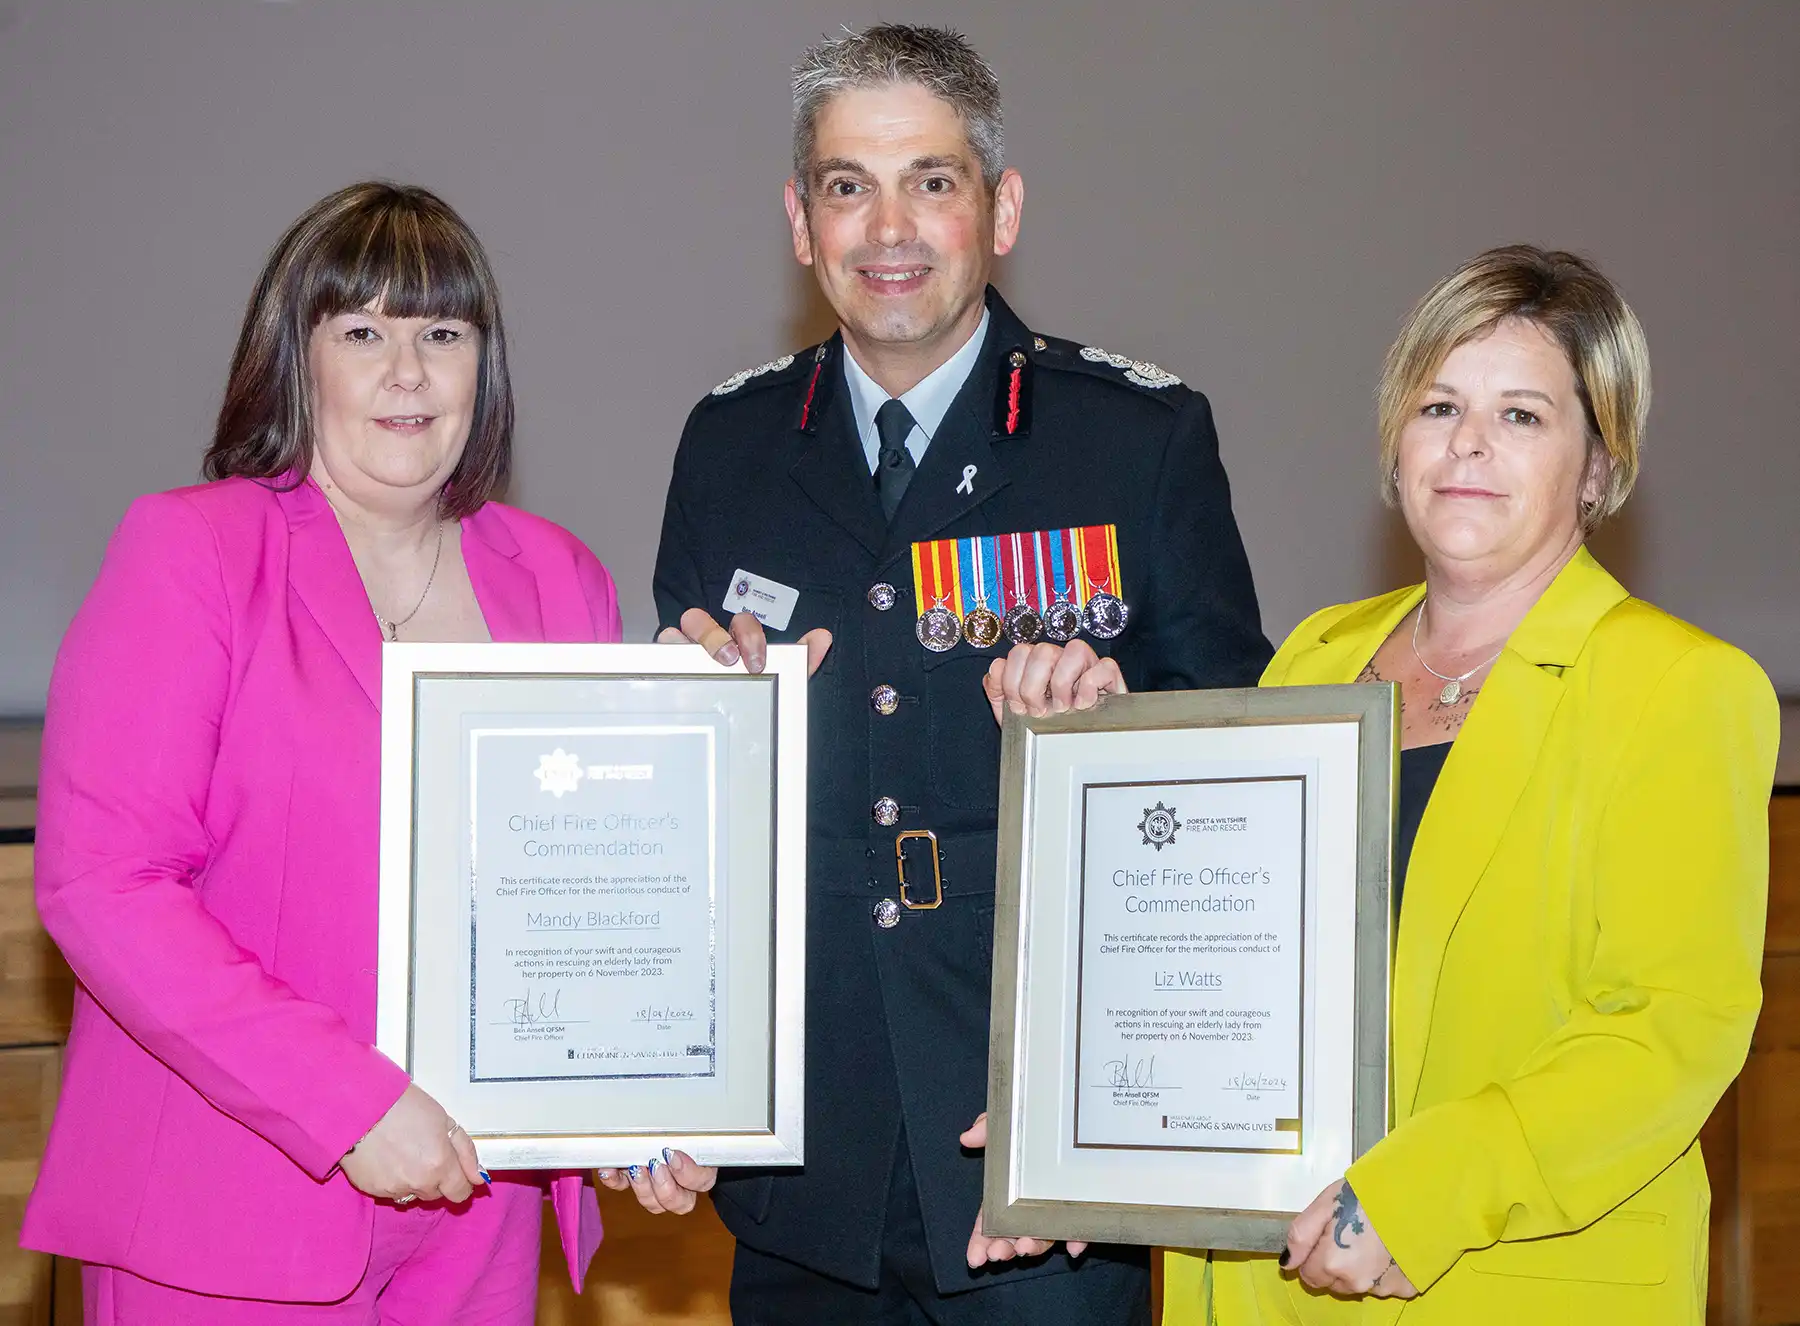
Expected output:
(206, 859)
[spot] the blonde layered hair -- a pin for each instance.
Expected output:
(1578, 308)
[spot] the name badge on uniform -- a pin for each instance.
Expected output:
(1045, 585)
(769, 601)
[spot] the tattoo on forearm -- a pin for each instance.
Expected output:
(1347, 1214)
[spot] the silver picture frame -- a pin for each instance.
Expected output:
(1039, 1180)
(715, 913)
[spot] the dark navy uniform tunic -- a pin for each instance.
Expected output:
(771, 478)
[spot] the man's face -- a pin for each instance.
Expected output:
(899, 226)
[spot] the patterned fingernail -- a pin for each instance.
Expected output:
(668, 1158)
(484, 1176)
(606, 1174)
(653, 1167)
(635, 1173)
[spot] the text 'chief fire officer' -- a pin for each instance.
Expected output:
(933, 486)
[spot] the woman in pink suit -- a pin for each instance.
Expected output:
(229, 1146)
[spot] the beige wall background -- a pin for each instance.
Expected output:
(1249, 192)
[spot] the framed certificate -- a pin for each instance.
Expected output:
(1191, 942)
(593, 878)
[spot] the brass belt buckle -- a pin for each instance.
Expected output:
(937, 870)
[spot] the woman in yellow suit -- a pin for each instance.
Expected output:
(1580, 936)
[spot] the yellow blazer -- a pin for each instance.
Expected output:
(1576, 975)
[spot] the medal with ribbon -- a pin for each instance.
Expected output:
(1023, 589)
(1105, 614)
(1062, 617)
(935, 579)
(980, 569)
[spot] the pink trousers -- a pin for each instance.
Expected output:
(429, 1266)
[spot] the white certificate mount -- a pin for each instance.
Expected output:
(596, 950)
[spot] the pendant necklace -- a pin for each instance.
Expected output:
(390, 630)
(1452, 685)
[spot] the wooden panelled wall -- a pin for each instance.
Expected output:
(35, 993)
(664, 1271)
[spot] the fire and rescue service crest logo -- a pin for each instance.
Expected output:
(1158, 826)
(559, 772)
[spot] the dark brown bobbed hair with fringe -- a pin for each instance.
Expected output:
(395, 247)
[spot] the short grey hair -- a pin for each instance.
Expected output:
(937, 59)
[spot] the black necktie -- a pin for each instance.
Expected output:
(894, 463)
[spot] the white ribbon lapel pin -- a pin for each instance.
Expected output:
(968, 481)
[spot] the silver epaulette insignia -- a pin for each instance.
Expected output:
(1136, 370)
(737, 380)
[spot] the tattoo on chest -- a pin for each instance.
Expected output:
(1438, 715)
(1450, 717)
(1346, 1214)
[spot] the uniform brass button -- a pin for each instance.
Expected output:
(887, 913)
(885, 699)
(882, 596)
(887, 812)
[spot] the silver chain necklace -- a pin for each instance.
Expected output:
(1452, 691)
(390, 630)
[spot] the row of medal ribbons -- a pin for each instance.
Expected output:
(1048, 585)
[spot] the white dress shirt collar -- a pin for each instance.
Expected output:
(928, 402)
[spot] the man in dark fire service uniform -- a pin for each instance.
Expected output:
(936, 485)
